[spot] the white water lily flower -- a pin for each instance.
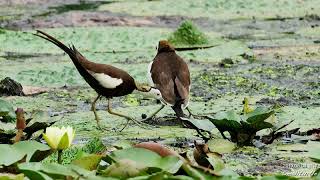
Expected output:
(59, 138)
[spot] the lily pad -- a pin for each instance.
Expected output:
(35, 170)
(88, 162)
(221, 146)
(203, 124)
(216, 162)
(9, 155)
(7, 113)
(125, 169)
(31, 150)
(148, 158)
(314, 152)
(34, 150)
(40, 120)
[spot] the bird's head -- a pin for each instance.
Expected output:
(148, 90)
(165, 46)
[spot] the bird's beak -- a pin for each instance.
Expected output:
(143, 87)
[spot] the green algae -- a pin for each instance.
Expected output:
(285, 71)
(310, 32)
(51, 68)
(221, 9)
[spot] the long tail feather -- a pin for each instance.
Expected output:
(75, 56)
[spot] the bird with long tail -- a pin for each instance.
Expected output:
(106, 80)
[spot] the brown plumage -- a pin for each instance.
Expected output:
(106, 80)
(170, 74)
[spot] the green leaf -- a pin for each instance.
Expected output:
(89, 162)
(31, 174)
(227, 121)
(257, 118)
(278, 177)
(258, 115)
(6, 111)
(124, 169)
(64, 142)
(55, 171)
(203, 124)
(162, 176)
(9, 155)
(221, 146)
(216, 162)
(7, 132)
(43, 171)
(229, 115)
(40, 120)
(33, 149)
(313, 148)
(5, 176)
(148, 158)
(122, 144)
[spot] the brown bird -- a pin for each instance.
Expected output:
(169, 73)
(106, 80)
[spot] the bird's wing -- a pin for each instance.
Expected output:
(163, 81)
(182, 82)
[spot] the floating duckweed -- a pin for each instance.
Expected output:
(188, 34)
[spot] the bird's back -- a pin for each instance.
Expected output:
(103, 72)
(171, 76)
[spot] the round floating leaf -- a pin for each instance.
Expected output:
(10, 155)
(40, 120)
(56, 171)
(313, 148)
(33, 149)
(6, 111)
(125, 168)
(203, 124)
(216, 162)
(221, 146)
(89, 162)
(148, 158)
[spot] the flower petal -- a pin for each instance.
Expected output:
(64, 142)
(49, 141)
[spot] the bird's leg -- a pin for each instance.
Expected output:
(93, 108)
(156, 112)
(193, 115)
(189, 111)
(121, 115)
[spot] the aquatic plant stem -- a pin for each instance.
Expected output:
(59, 156)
